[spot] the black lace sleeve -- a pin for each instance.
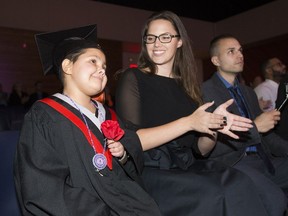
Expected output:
(127, 99)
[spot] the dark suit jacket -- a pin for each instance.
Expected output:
(230, 150)
(282, 127)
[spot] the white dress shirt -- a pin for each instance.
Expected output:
(267, 90)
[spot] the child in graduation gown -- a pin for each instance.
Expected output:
(63, 163)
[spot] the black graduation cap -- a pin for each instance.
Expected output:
(53, 47)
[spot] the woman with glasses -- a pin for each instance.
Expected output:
(156, 100)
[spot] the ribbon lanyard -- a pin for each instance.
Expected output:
(79, 123)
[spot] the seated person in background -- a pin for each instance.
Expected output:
(18, 97)
(273, 71)
(256, 81)
(4, 114)
(260, 153)
(37, 94)
(282, 101)
(3, 97)
(105, 98)
(17, 105)
(264, 104)
(161, 101)
(63, 165)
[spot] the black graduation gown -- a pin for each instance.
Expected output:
(54, 174)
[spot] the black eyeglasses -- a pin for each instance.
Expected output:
(163, 38)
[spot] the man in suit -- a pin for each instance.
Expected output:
(260, 153)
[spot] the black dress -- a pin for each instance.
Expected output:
(54, 174)
(181, 184)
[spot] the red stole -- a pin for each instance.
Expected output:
(79, 123)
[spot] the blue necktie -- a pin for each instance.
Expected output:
(242, 109)
(239, 101)
(256, 148)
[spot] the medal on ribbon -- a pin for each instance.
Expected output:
(99, 161)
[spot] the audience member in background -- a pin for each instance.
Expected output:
(3, 97)
(260, 153)
(161, 100)
(264, 104)
(4, 115)
(282, 104)
(256, 81)
(18, 96)
(37, 94)
(105, 98)
(273, 71)
(18, 105)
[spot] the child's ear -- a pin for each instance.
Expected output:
(66, 66)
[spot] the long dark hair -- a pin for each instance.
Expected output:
(184, 67)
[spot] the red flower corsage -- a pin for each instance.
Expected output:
(112, 130)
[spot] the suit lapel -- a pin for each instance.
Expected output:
(224, 94)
